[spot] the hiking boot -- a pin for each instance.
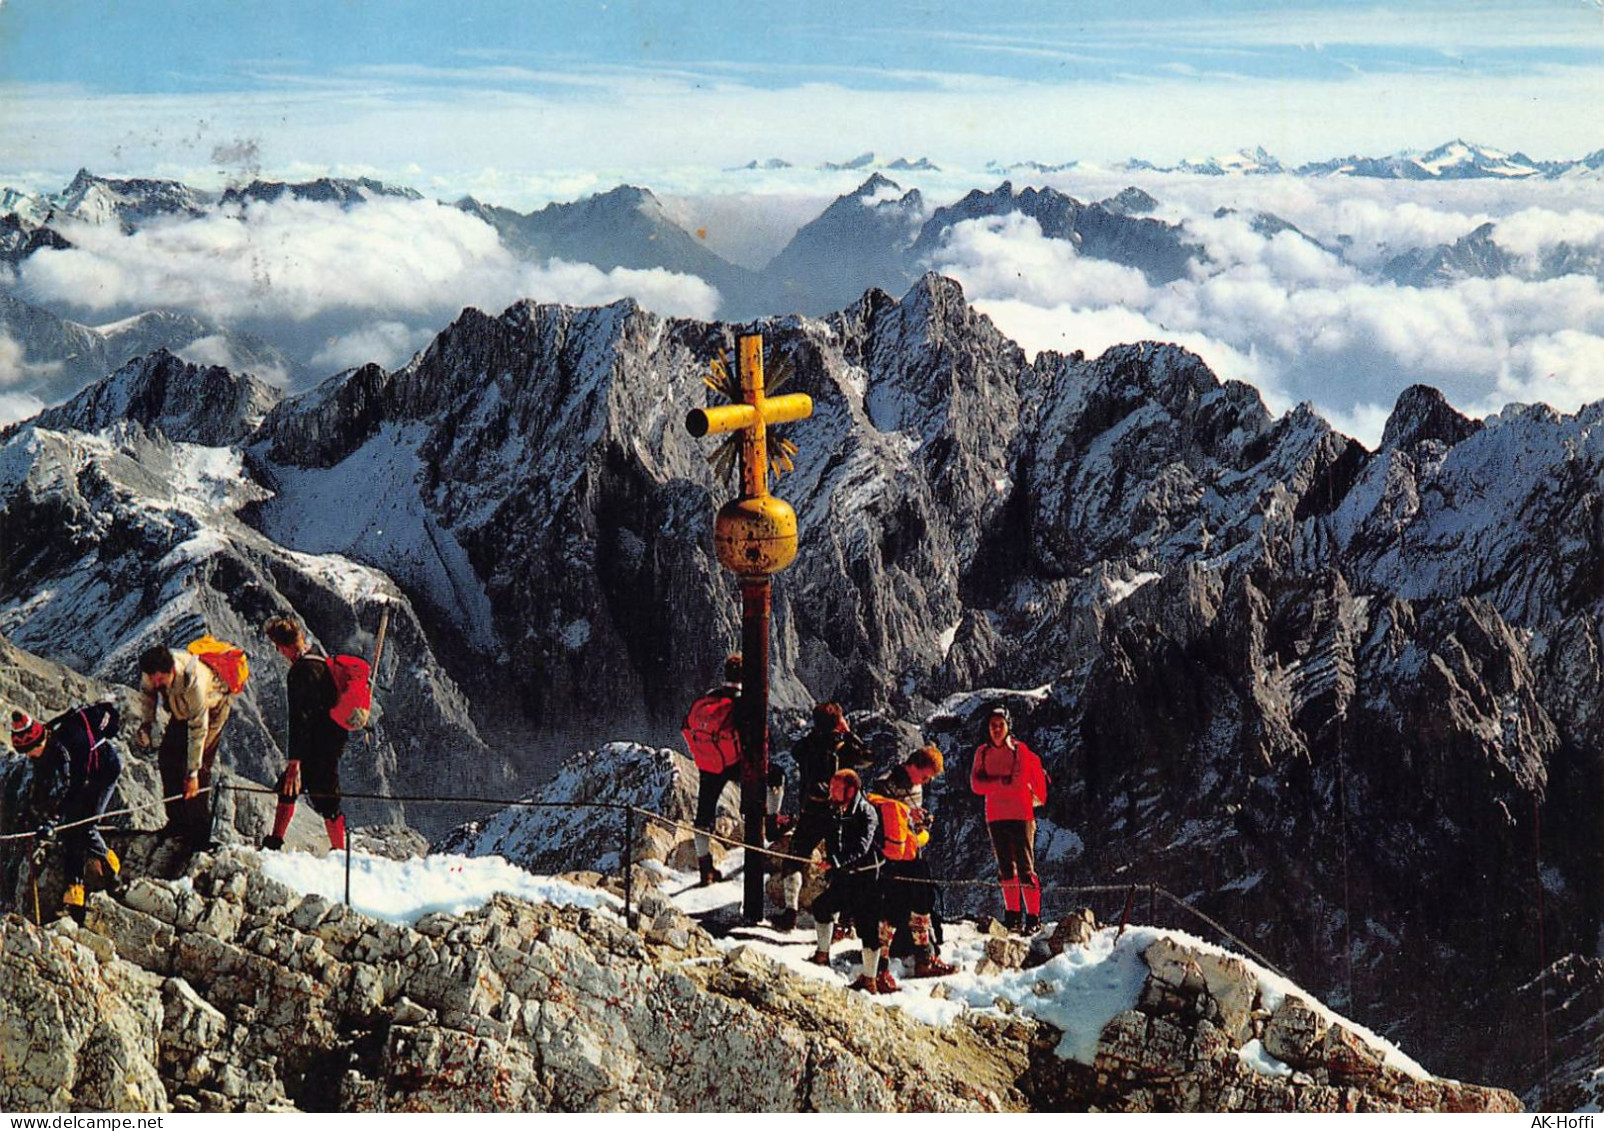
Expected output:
(784, 920)
(930, 966)
(273, 843)
(1032, 923)
(884, 983)
(820, 958)
(710, 874)
(1011, 921)
(867, 984)
(73, 901)
(113, 868)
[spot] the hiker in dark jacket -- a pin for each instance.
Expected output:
(80, 740)
(316, 741)
(829, 747)
(852, 872)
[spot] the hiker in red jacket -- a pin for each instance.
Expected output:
(1009, 776)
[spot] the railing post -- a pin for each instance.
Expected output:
(630, 915)
(1125, 916)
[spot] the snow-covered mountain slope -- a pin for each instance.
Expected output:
(129, 538)
(60, 357)
(126, 201)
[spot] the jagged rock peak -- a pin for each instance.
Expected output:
(1130, 201)
(1162, 370)
(877, 183)
(338, 190)
(1423, 413)
(185, 402)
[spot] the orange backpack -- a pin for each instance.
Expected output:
(227, 661)
(898, 841)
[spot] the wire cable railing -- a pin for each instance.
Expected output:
(631, 814)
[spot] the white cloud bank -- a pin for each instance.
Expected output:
(1302, 322)
(389, 273)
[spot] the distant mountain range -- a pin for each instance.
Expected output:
(1455, 161)
(880, 234)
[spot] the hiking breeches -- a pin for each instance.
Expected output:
(858, 895)
(1014, 842)
(190, 819)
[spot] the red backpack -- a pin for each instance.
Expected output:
(710, 732)
(353, 688)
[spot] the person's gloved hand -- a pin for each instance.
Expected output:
(142, 736)
(46, 830)
(192, 785)
(290, 787)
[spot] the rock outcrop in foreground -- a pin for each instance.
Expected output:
(227, 991)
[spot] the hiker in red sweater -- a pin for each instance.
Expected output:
(1009, 776)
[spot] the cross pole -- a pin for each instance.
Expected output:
(755, 538)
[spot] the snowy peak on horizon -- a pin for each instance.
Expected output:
(1454, 160)
(130, 201)
(336, 190)
(870, 161)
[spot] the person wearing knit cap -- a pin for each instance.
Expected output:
(1009, 775)
(198, 704)
(315, 740)
(82, 740)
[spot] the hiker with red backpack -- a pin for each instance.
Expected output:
(828, 747)
(318, 687)
(909, 896)
(714, 741)
(852, 862)
(1009, 775)
(197, 687)
(80, 740)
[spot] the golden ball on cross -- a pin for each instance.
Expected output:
(755, 536)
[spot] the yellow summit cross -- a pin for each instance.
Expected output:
(755, 538)
(754, 535)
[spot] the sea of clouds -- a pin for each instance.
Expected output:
(1312, 319)
(1301, 317)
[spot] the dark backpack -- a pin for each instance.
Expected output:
(710, 732)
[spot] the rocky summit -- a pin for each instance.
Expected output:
(1347, 701)
(225, 990)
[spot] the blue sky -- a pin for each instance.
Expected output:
(483, 88)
